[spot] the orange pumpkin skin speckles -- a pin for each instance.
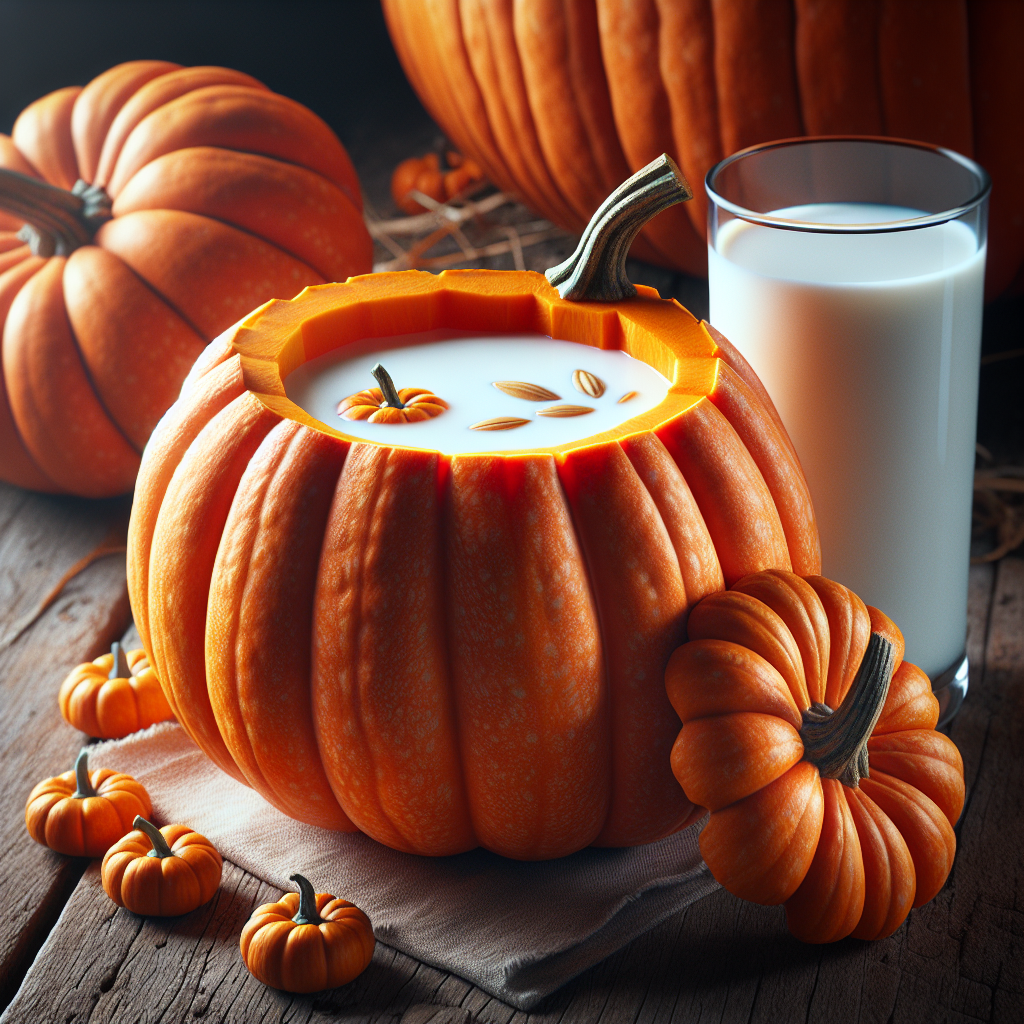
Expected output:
(464, 650)
(850, 853)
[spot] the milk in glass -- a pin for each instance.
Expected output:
(869, 346)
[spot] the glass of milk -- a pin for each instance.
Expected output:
(849, 272)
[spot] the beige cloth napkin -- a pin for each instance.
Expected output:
(517, 930)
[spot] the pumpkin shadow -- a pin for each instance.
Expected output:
(716, 944)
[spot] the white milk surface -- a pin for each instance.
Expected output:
(869, 347)
(461, 367)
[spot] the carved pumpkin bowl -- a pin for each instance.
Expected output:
(445, 650)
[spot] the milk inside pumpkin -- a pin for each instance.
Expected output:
(287, 360)
(479, 376)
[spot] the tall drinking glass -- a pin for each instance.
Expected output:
(849, 272)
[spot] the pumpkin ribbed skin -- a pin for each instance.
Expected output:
(844, 859)
(113, 708)
(224, 195)
(559, 101)
(419, 403)
(451, 651)
(307, 957)
(85, 825)
(161, 886)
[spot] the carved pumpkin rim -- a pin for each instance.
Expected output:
(283, 334)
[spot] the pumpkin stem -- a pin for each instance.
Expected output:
(57, 221)
(387, 385)
(83, 787)
(120, 669)
(837, 741)
(596, 271)
(156, 837)
(307, 912)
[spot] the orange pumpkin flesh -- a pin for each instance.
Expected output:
(845, 819)
(114, 695)
(83, 814)
(223, 194)
(470, 648)
(161, 872)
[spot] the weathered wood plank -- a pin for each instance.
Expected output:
(102, 963)
(40, 538)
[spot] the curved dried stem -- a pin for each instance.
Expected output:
(56, 221)
(307, 912)
(596, 271)
(387, 386)
(83, 785)
(837, 741)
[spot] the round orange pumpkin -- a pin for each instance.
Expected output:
(140, 216)
(813, 745)
(161, 872)
(354, 628)
(114, 695)
(307, 942)
(83, 813)
(387, 404)
(557, 102)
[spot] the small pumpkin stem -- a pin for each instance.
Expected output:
(57, 221)
(83, 787)
(596, 271)
(156, 837)
(307, 912)
(387, 385)
(120, 669)
(837, 741)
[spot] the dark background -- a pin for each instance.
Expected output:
(337, 59)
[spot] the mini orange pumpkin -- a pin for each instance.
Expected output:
(114, 695)
(307, 942)
(83, 814)
(161, 872)
(828, 786)
(425, 174)
(387, 404)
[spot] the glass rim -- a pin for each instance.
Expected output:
(877, 227)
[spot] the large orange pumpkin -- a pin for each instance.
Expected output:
(160, 204)
(558, 100)
(452, 651)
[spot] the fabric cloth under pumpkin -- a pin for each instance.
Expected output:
(519, 930)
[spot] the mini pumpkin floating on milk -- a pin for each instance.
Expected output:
(460, 641)
(513, 381)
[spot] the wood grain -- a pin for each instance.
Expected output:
(40, 538)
